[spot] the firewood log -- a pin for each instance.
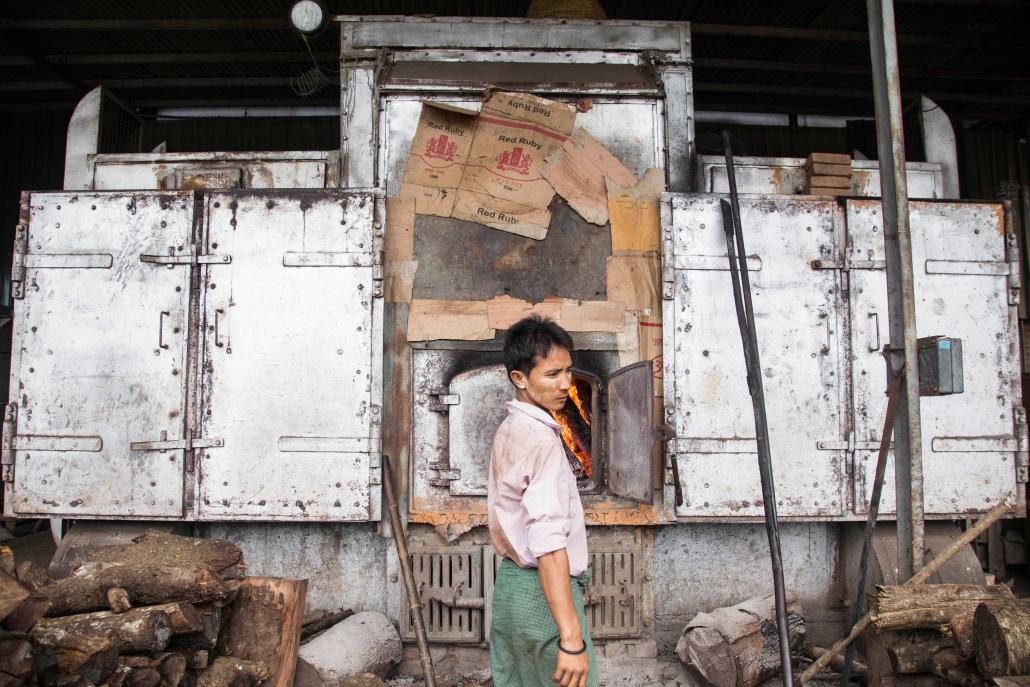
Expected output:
(1001, 635)
(33, 575)
(156, 549)
(91, 657)
(930, 607)
(142, 677)
(195, 658)
(172, 667)
(738, 646)
(16, 657)
(264, 625)
(210, 628)
(137, 661)
(139, 629)
(12, 593)
(183, 617)
(949, 666)
(233, 672)
(912, 652)
(322, 620)
(28, 612)
(118, 600)
(145, 584)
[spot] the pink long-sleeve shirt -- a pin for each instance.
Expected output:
(532, 499)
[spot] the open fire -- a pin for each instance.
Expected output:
(574, 420)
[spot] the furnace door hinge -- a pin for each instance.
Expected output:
(1022, 445)
(444, 474)
(195, 257)
(165, 444)
(12, 442)
(21, 248)
(441, 400)
(7, 448)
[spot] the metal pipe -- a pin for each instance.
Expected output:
(890, 139)
(749, 338)
(874, 510)
(414, 604)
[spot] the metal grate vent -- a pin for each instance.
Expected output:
(450, 581)
(616, 593)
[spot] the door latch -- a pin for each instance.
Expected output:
(165, 444)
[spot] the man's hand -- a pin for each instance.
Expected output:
(555, 580)
(572, 670)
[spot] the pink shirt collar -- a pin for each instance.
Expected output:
(534, 411)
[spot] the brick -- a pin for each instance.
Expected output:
(829, 182)
(830, 158)
(825, 170)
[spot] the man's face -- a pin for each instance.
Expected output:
(548, 383)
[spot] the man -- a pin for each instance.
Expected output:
(538, 636)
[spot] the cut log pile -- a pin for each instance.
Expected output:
(163, 611)
(961, 633)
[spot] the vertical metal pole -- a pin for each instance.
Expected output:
(890, 140)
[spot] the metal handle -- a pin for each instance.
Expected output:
(873, 335)
(161, 329)
(218, 316)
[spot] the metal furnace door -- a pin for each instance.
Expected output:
(99, 356)
(292, 356)
(798, 312)
(631, 434)
(962, 268)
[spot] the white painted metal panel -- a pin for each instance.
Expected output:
(176, 170)
(99, 356)
(292, 357)
(482, 397)
(800, 325)
(961, 267)
(630, 128)
(786, 176)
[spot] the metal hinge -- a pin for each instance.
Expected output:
(1022, 445)
(195, 257)
(21, 248)
(187, 444)
(7, 449)
(442, 400)
(445, 474)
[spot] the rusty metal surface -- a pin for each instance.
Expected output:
(292, 362)
(99, 352)
(630, 433)
(969, 440)
(272, 169)
(801, 328)
(786, 176)
(461, 260)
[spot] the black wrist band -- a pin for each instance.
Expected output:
(572, 653)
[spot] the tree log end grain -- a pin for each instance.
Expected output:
(1001, 634)
(707, 655)
(232, 672)
(139, 629)
(118, 600)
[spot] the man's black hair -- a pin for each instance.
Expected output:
(531, 339)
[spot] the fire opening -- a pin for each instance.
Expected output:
(574, 420)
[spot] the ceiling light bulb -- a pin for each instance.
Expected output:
(307, 16)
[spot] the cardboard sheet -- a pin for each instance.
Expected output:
(439, 152)
(430, 320)
(583, 316)
(581, 172)
(400, 229)
(502, 186)
(635, 215)
(634, 281)
(399, 279)
(629, 341)
(504, 311)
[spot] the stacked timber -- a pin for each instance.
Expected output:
(828, 174)
(961, 633)
(163, 611)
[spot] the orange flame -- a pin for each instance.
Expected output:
(572, 441)
(574, 395)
